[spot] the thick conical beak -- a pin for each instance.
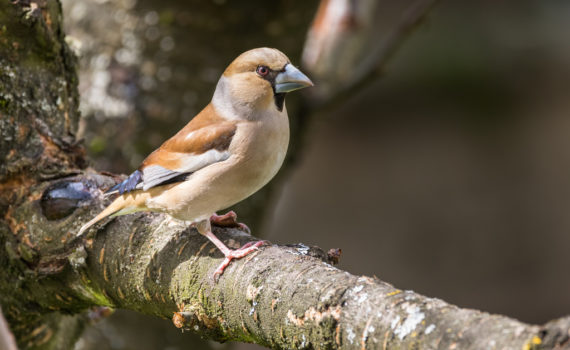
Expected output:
(291, 79)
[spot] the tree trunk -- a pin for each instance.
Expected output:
(281, 297)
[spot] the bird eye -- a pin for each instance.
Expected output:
(262, 70)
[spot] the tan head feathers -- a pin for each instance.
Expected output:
(250, 60)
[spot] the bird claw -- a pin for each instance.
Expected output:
(246, 249)
(229, 219)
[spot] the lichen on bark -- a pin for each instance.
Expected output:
(38, 91)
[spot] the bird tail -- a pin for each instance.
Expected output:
(120, 206)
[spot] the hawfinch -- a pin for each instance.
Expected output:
(227, 152)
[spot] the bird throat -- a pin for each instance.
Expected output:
(279, 100)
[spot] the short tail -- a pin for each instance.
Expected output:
(121, 205)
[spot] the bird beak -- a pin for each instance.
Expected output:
(291, 79)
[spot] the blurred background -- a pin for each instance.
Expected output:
(448, 173)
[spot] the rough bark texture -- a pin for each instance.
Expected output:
(38, 115)
(281, 297)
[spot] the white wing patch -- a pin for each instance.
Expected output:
(154, 175)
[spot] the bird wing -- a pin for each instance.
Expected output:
(197, 146)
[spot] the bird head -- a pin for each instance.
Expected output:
(257, 81)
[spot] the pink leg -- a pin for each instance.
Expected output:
(229, 219)
(230, 254)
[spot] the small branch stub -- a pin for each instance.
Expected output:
(184, 320)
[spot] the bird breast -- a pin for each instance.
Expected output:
(261, 147)
(257, 152)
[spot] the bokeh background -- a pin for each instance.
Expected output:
(449, 174)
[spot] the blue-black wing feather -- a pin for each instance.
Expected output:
(129, 184)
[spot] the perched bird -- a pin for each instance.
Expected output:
(227, 152)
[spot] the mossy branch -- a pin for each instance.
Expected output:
(281, 297)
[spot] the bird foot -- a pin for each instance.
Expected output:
(246, 249)
(229, 219)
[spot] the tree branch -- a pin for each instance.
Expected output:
(282, 297)
(344, 65)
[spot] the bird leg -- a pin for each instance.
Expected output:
(235, 254)
(229, 219)
(204, 227)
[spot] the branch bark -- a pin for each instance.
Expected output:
(281, 297)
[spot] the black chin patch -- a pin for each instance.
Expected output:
(279, 101)
(278, 97)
